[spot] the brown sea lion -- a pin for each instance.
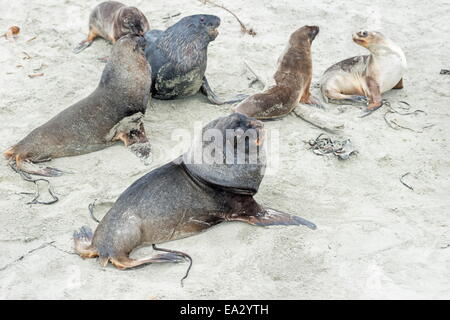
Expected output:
(292, 80)
(111, 20)
(112, 112)
(185, 197)
(362, 79)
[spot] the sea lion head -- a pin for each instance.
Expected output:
(230, 154)
(199, 26)
(368, 39)
(305, 33)
(131, 21)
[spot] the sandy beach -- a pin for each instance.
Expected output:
(376, 238)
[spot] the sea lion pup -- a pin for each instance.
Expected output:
(292, 80)
(112, 112)
(178, 58)
(185, 197)
(111, 20)
(362, 79)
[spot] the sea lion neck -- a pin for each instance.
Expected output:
(128, 76)
(210, 185)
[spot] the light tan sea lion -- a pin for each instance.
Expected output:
(292, 80)
(364, 78)
(111, 20)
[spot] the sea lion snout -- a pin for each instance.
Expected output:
(212, 24)
(363, 38)
(314, 31)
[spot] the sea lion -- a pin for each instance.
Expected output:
(185, 197)
(178, 57)
(111, 20)
(292, 80)
(362, 79)
(112, 112)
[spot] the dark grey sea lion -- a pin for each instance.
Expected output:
(112, 112)
(111, 20)
(178, 57)
(183, 197)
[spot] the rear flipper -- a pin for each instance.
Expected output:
(271, 217)
(83, 243)
(81, 46)
(86, 43)
(214, 99)
(20, 164)
(124, 262)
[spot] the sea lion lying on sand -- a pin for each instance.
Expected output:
(112, 112)
(185, 197)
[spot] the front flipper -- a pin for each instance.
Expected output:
(271, 217)
(214, 99)
(374, 95)
(130, 130)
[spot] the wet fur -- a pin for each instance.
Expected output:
(178, 57)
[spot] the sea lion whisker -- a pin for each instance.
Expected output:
(185, 255)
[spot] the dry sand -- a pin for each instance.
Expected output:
(375, 237)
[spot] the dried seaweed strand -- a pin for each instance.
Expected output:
(405, 184)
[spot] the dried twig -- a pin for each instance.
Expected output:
(27, 56)
(34, 75)
(170, 16)
(244, 29)
(406, 185)
(31, 39)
